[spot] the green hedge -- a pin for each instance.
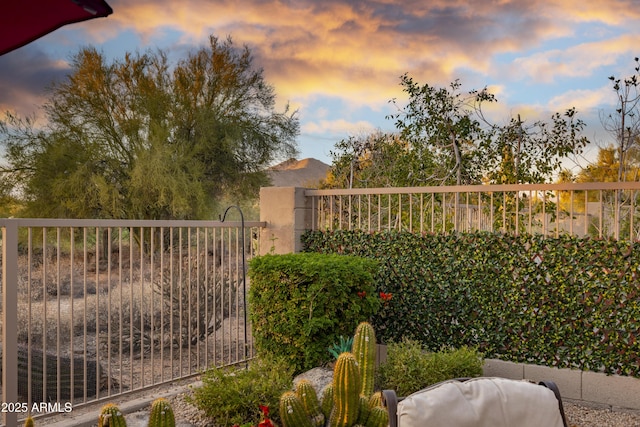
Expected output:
(565, 302)
(301, 303)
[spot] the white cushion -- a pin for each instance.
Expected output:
(481, 402)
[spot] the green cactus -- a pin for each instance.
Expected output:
(346, 391)
(111, 416)
(378, 417)
(327, 401)
(292, 411)
(375, 399)
(349, 400)
(363, 410)
(307, 395)
(364, 349)
(161, 414)
(29, 422)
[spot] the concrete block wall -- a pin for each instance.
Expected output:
(589, 387)
(287, 214)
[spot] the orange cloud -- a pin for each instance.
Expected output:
(356, 51)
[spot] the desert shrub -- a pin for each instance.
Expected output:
(410, 368)
(134, 314)
(301, 303)
(42, 332)
(231, 396)
(198, 300)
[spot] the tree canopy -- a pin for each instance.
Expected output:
(443, 138)
(521, 153)
(378, 160)
(440, 123)
(141, 138)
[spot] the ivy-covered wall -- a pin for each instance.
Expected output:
(564, 302)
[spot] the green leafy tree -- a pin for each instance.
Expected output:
(441, 122)
(378, 160)
(521, 153)
(604, 169)
(615, 204)
(443, 138)
(142, 138)
(9, 204)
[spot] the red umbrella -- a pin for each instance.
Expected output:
(21, 22)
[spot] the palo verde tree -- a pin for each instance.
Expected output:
(141, 138)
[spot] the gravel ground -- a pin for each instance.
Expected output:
(590, 416)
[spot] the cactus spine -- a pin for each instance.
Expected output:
(111, 416)
(29, 422)
(327, 401)
(375, 399)
(364, 349)
(363, 410)
(346, 391)
(292, 411)
(309, 399)
(161, 414)
(378, 417)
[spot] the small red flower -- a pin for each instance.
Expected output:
(362, 294)
(266, 422)
(385, 297)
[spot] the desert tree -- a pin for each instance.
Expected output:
(139, 137)
(444, 137)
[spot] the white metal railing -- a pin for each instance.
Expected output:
(97, 308)
(605, 210)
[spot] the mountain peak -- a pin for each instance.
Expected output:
(298, 173)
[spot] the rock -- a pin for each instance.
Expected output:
(318, 377)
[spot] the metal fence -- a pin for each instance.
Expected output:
(92, 309)
(604, 210)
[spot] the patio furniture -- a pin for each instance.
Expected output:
(479, 402)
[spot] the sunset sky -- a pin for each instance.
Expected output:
(339, 62)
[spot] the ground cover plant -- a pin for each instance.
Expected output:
(410, 367)
(233, 396)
